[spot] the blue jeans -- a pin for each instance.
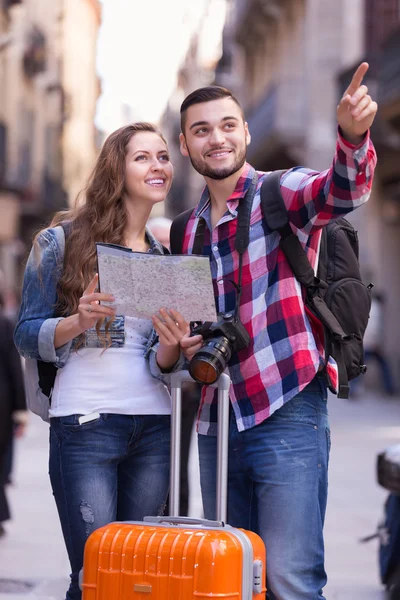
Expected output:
(278, 488)
(115, 468)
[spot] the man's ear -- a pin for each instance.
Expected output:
(247, 133)
(183, 146)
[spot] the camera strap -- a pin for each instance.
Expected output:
(242, 233)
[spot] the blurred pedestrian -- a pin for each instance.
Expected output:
(8, 464)
(110, 410)
(13, 412)
(9, 310)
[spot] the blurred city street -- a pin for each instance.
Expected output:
(75, 74)
(33, 562)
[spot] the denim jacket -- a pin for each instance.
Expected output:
(35, 329)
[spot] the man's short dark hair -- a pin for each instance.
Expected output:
(206, 94)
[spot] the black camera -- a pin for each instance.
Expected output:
(222, 338)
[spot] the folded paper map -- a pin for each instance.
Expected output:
(142, 283)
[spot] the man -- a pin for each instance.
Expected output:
(279, 431)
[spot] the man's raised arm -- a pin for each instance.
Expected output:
(356, 110)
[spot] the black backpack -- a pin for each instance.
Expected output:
(336, 295)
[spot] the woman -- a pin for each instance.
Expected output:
(110, 410)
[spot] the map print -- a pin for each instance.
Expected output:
(143, 283)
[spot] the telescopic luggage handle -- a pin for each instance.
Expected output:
(184, 521)
(223, 385)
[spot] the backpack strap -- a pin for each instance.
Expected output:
(277, 218)
(243, 217)
(177, 232)
(67, 228)
(272, 203)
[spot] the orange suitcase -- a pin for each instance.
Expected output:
(178, 558)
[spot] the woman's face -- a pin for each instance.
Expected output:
(148, 170)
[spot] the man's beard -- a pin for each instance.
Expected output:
(218, 174)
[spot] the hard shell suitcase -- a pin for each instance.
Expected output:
(178, 558)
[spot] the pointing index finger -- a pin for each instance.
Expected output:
(357, 79)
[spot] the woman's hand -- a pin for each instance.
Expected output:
(90, 310)
(190, 345)
(170, 327)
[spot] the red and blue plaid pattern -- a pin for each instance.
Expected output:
(286, 349)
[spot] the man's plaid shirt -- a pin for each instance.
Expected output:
(285, 351)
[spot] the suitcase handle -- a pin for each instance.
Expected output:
(223, 385)
(184, 521)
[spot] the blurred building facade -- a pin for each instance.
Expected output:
(48, 94)
(197, 69)
(288, 62)
(378, 222)
(81, 22)
(281, 59)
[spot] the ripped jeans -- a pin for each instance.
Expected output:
(115, 468)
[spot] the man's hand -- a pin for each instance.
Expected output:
(170, 327)
(190, 345)
(356, 111)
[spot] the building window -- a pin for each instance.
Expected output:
(9, 3)
(382, 18)
(26, 143)
(3, 152)
(53, 150)
(34, 59)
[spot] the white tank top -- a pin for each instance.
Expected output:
(116, 380)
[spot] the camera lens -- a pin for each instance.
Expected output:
(210, 361)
